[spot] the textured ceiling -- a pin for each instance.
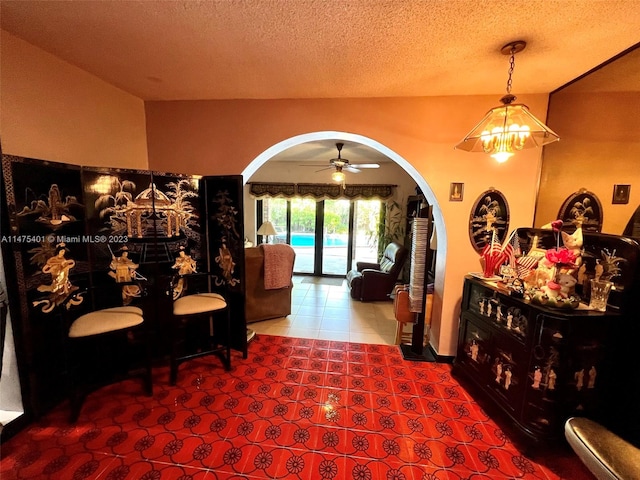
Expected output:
(228, 49)
(264, 49)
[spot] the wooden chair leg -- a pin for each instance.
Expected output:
(227, 365)
(399, 329)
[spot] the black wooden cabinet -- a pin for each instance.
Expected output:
(536, 365)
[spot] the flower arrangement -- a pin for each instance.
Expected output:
(555, 276)
(561, 256)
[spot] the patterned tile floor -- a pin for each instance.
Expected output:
(295, 409)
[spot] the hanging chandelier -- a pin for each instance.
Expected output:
(509, 127)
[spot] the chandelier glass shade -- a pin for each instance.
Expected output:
(507, 129)
(510, 127)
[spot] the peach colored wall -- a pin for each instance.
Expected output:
(223, 137)
(600, 147)
(54, 111)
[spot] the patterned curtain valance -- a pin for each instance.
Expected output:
(321, 190)
(272, 189)
(367, 192)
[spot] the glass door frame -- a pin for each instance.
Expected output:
(319, 230)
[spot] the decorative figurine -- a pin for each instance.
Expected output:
(123, 270)
(184, 263)
(573, 242)
(481, 305)
(58, 267)
(60, 288)
(591, 382)
(226, 263)
(537, 377)
(185, 266)
(498, 371)
(474, 351)
(552, 380)
(579, 377)
(507, 378)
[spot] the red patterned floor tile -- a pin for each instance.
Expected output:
(294, 409)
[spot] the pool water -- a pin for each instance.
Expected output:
(308, 240)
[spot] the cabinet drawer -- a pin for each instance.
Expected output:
(508, 366)
(509, 315)
(474, 348)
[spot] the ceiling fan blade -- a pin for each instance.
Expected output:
(313, 165)
(323, 169)
(350, 168)
(365, 165)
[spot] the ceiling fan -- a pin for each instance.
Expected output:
(342, 165)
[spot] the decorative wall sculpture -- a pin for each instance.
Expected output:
(582, 208)
(490, 213)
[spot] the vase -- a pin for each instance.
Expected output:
(600, 290)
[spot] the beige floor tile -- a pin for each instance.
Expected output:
(328, 312)
(370, 338)
(338, 336)
(333, 311)
(335, 324)
(306, 321)
(310, 310)
(303, 333)
(270, 329)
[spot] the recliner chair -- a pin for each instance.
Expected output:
(375, 281)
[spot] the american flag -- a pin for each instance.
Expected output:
(491, 255)
(512, 249)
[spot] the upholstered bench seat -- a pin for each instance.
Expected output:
(106, 320)
(198, 303)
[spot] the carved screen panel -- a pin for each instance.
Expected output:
(45, 242)
(225, 244)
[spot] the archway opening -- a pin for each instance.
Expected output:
(439, 224)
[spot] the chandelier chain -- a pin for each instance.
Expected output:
(512, 64)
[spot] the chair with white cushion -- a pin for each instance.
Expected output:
(194, 332)
(105, 344)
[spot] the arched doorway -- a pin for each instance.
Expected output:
(440, 230)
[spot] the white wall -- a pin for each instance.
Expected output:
(54, 111)
(10, 396)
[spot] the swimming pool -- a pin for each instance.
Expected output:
(309, 239)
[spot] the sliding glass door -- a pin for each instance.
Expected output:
(328, 236)
(335, 237)
(366, 225)
(302, 234)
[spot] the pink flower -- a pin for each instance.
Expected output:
(560, 256)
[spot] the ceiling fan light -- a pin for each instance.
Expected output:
(338, 177)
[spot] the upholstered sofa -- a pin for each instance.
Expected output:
(262, 303)
(375, 281)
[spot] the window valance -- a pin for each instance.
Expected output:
(272, 189)
(321, 190)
